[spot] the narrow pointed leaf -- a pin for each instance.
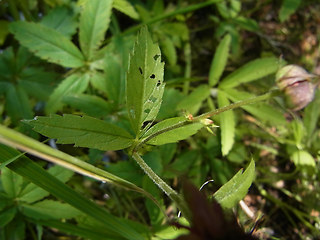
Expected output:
(82, 131)
(47, 43)
(144, 81)
(227, 124)
(219, 60)
(75, 83)
(163, 133)
(33, 172)
(236, 188)
(94, 22)
(251, 71)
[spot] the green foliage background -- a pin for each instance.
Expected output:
(112, 80)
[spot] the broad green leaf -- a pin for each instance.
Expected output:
(125, 7)
(94, 22)
(82, 131)
(219, 60)
(288, 7)
(7, 215)
(144, 81)
(11, 182)
(91, 105)
(236, 188)
(75, 83)
(49, 209)
(17, 103)
(263, 111)
(47, 43)
(33, 172)
(164, 133)
(227, 124)
(193, 101)
(62, 19)
(311, 115)
(32, 193)
(303, 159)
(251, 71)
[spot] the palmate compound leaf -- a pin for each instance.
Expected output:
(144, 81)
(82, 131)
(236, 188)
(47, 43)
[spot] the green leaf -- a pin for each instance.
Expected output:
(32, 193)
(11, 182)
(288, 7)
(47, 43)
(75, 83)
(17, 103)
(171, 98)
(219, 60)
(303, 159)
(263, 111)
(49, 209)
(125, 7)
(236, 188)
(227, 124)
(169, 50)
(7, 215)
(91, 105)
(82, 131)
(33, 172)
(94, 22)
(251, 71)
(193, 101)
(144, 81)
(4, 30)
(62, 19)
(37, 82)
(311, 115)
(164, 133)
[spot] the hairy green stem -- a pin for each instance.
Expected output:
(171, 193)
(207, 115)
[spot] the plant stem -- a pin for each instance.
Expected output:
(163, 185)
(235, 105)
(207, 115)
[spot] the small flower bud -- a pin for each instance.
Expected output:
(297, 86)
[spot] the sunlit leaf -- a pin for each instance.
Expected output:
(164, 133)
(251, 71)
(144, 81)
(227, 124)
(288, 7)
(219, 60)
(236, 188)
(125, 7)
(94, 22)
(82, 131)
